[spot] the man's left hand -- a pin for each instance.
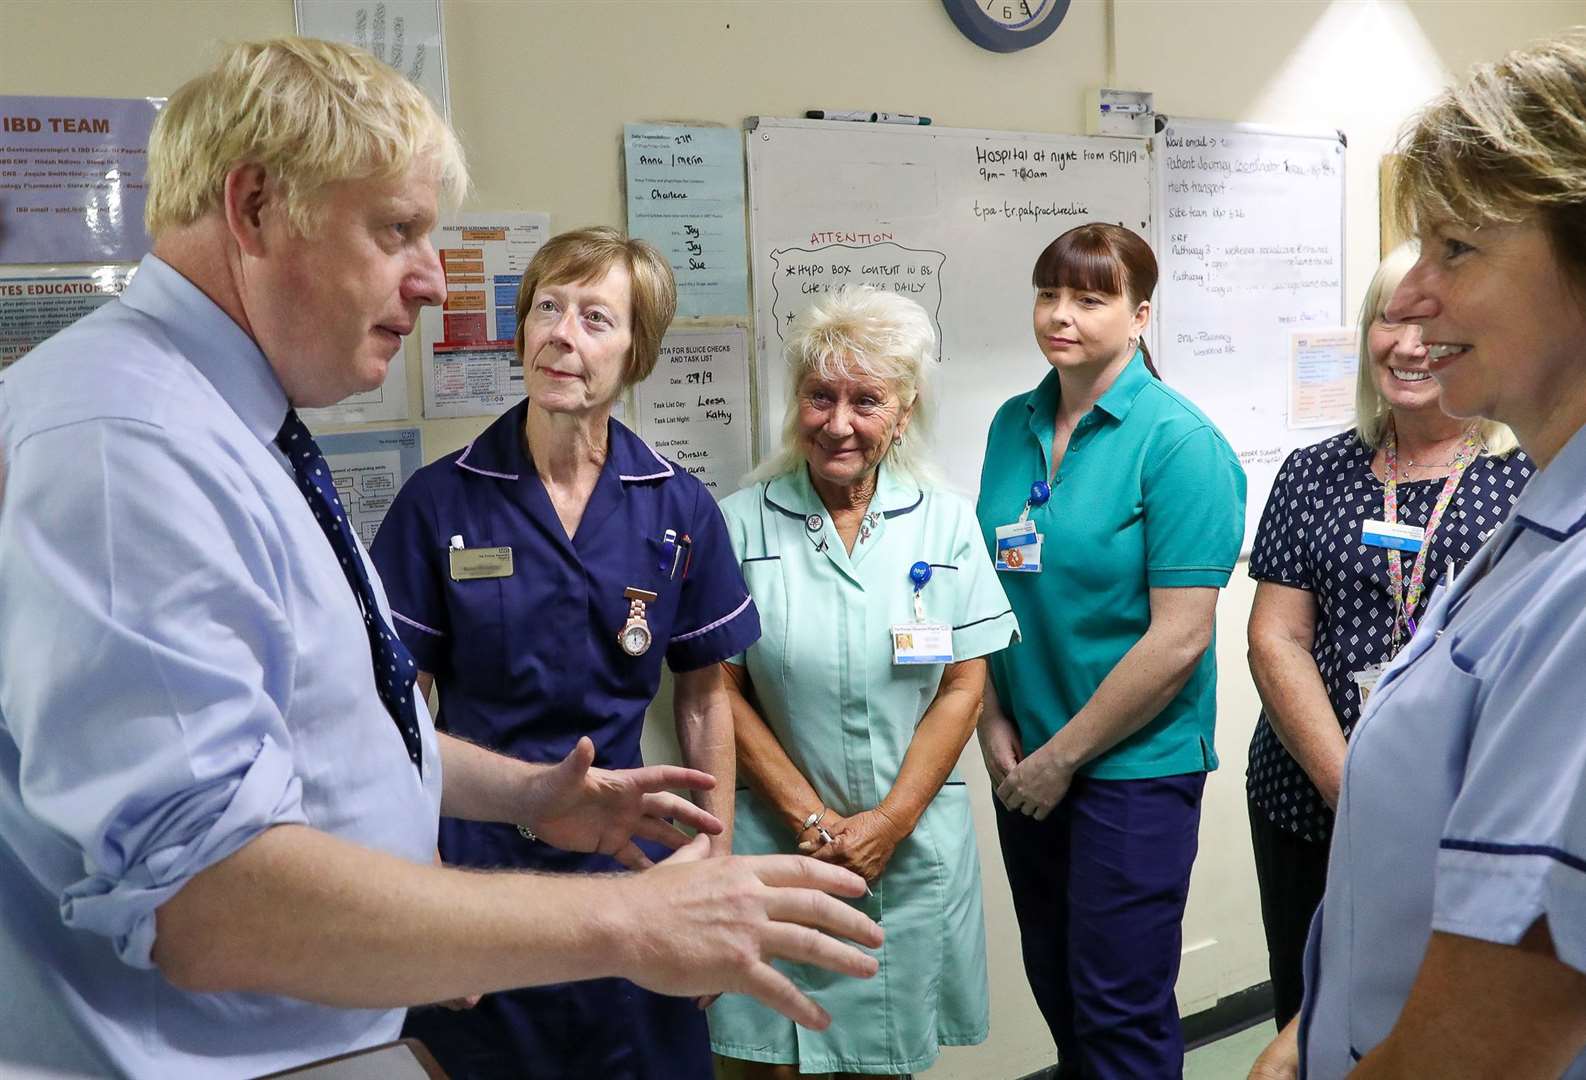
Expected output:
(578, 808)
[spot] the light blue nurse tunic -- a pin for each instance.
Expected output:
(1464, 796)
(827, 687)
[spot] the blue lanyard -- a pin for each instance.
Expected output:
(1040, 491)
(920, 574)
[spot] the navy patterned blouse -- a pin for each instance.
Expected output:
(1310, 539)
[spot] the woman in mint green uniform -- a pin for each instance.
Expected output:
(876, 601)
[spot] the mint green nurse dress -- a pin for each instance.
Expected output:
(826, 685)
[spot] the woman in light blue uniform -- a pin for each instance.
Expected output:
(1451, 940)
(877, 600)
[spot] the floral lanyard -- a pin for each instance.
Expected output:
(1405, 601)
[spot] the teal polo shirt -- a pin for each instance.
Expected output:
(1149, 495)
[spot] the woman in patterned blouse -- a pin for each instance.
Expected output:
(1330, 608)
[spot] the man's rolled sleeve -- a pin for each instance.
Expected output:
(1194, 508)
(156, 656)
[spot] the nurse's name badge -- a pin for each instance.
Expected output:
(1388, 534)
(635, 634)
(1018, 548)
(472, 564)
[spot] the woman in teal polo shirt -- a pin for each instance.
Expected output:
(1114, 510)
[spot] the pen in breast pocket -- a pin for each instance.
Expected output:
(688, 556)
(668, 551)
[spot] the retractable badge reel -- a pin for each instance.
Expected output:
(1019, 545)
(921, 641)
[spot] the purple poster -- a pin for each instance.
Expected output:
(72, 178)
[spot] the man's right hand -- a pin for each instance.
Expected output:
(694, 925)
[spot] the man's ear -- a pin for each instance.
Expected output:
(247, 192)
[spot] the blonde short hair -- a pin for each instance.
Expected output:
(310, 112)
(584, 255)
(862, 330)
(1371, 411)
(1507, 145)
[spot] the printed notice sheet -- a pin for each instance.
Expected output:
(73, 178)
(685, 196)
(1322, 366)
(369, 468)
(47, 300)
(407, 34)
(470, 367)
(388, 401)
(694, 407)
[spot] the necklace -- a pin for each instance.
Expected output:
(1481, 445)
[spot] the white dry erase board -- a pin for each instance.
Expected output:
(1250, 244)
(954, 218)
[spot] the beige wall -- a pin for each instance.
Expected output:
(540, 91)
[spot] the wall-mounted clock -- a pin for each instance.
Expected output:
(1006, 25)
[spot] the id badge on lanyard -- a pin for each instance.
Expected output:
(922, 641)
(1398, 539)
(1018, 544)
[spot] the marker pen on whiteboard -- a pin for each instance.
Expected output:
(862, 116)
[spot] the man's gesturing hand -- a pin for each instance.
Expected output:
(578, 808)
(694, 925)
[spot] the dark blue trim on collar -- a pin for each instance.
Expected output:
(498, 451)
(900, 511)
(773, 504)
(1551, 534)
(794, 514)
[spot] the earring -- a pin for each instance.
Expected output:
(1134, 343)
(897, 438)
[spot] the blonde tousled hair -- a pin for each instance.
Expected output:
(862, 330)
(310, 112)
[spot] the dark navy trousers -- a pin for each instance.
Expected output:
(1099, 890)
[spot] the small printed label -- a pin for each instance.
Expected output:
(1385, 535)
(1019, 548)
(922, 643)
(470, 564)
(1367, 679)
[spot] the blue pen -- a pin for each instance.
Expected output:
(668, 551)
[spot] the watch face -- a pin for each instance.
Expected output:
(1006, 25)
(635, 640)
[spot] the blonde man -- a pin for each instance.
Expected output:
(218, 792)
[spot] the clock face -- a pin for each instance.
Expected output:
(635, 640)
(1006, 25)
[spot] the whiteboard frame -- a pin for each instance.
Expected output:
(1337, 136)
(768, 428)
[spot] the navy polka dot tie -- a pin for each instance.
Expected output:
(394, 670)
